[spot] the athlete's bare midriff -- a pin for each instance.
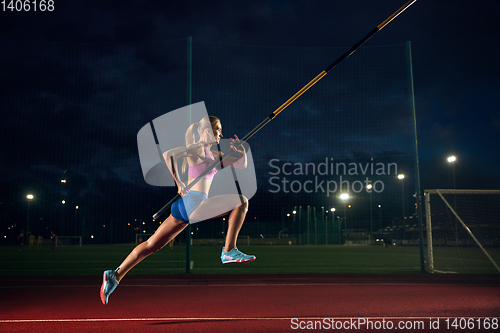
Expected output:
(202, 185)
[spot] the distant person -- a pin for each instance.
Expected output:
(21, 239)
(53, 238)
(197, 158)
(40, 241)
(31, 241)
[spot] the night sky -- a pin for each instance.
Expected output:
(455, 69)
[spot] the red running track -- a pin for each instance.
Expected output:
(251, 303)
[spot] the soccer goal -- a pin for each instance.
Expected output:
(68, 241)
(139, 238)
(463, 231)
(244, 240)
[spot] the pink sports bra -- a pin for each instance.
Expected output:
(195, 171)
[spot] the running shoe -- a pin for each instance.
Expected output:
(235, 255)
(109, 283)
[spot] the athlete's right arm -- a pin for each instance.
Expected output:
(171, 156)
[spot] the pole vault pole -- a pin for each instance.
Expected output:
(292, 99)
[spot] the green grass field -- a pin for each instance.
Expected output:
(274, 259)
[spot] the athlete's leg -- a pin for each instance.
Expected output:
(237, 205)
(213, 207)
(230, 253)
(170, 228)
(236, 219)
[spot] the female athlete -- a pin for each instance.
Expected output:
(194, 204)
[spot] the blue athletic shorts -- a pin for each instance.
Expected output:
(188, 203)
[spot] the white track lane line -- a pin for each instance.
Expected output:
(228, 319)
(258, 285)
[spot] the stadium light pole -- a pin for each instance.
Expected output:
(452, 159)
(333, 218)
(401, 177)
(344, 197)
(63, 182)
(62, 215)
(380, 215)
(369, 187)
(76, 218)
(29, 197)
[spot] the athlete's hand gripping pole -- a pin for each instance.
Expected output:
(292, 99)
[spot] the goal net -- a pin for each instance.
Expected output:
(68, 241)
(463, 231)
(139, 238)
(243, 240)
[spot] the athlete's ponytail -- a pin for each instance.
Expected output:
(196, 133)
(191, 134)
